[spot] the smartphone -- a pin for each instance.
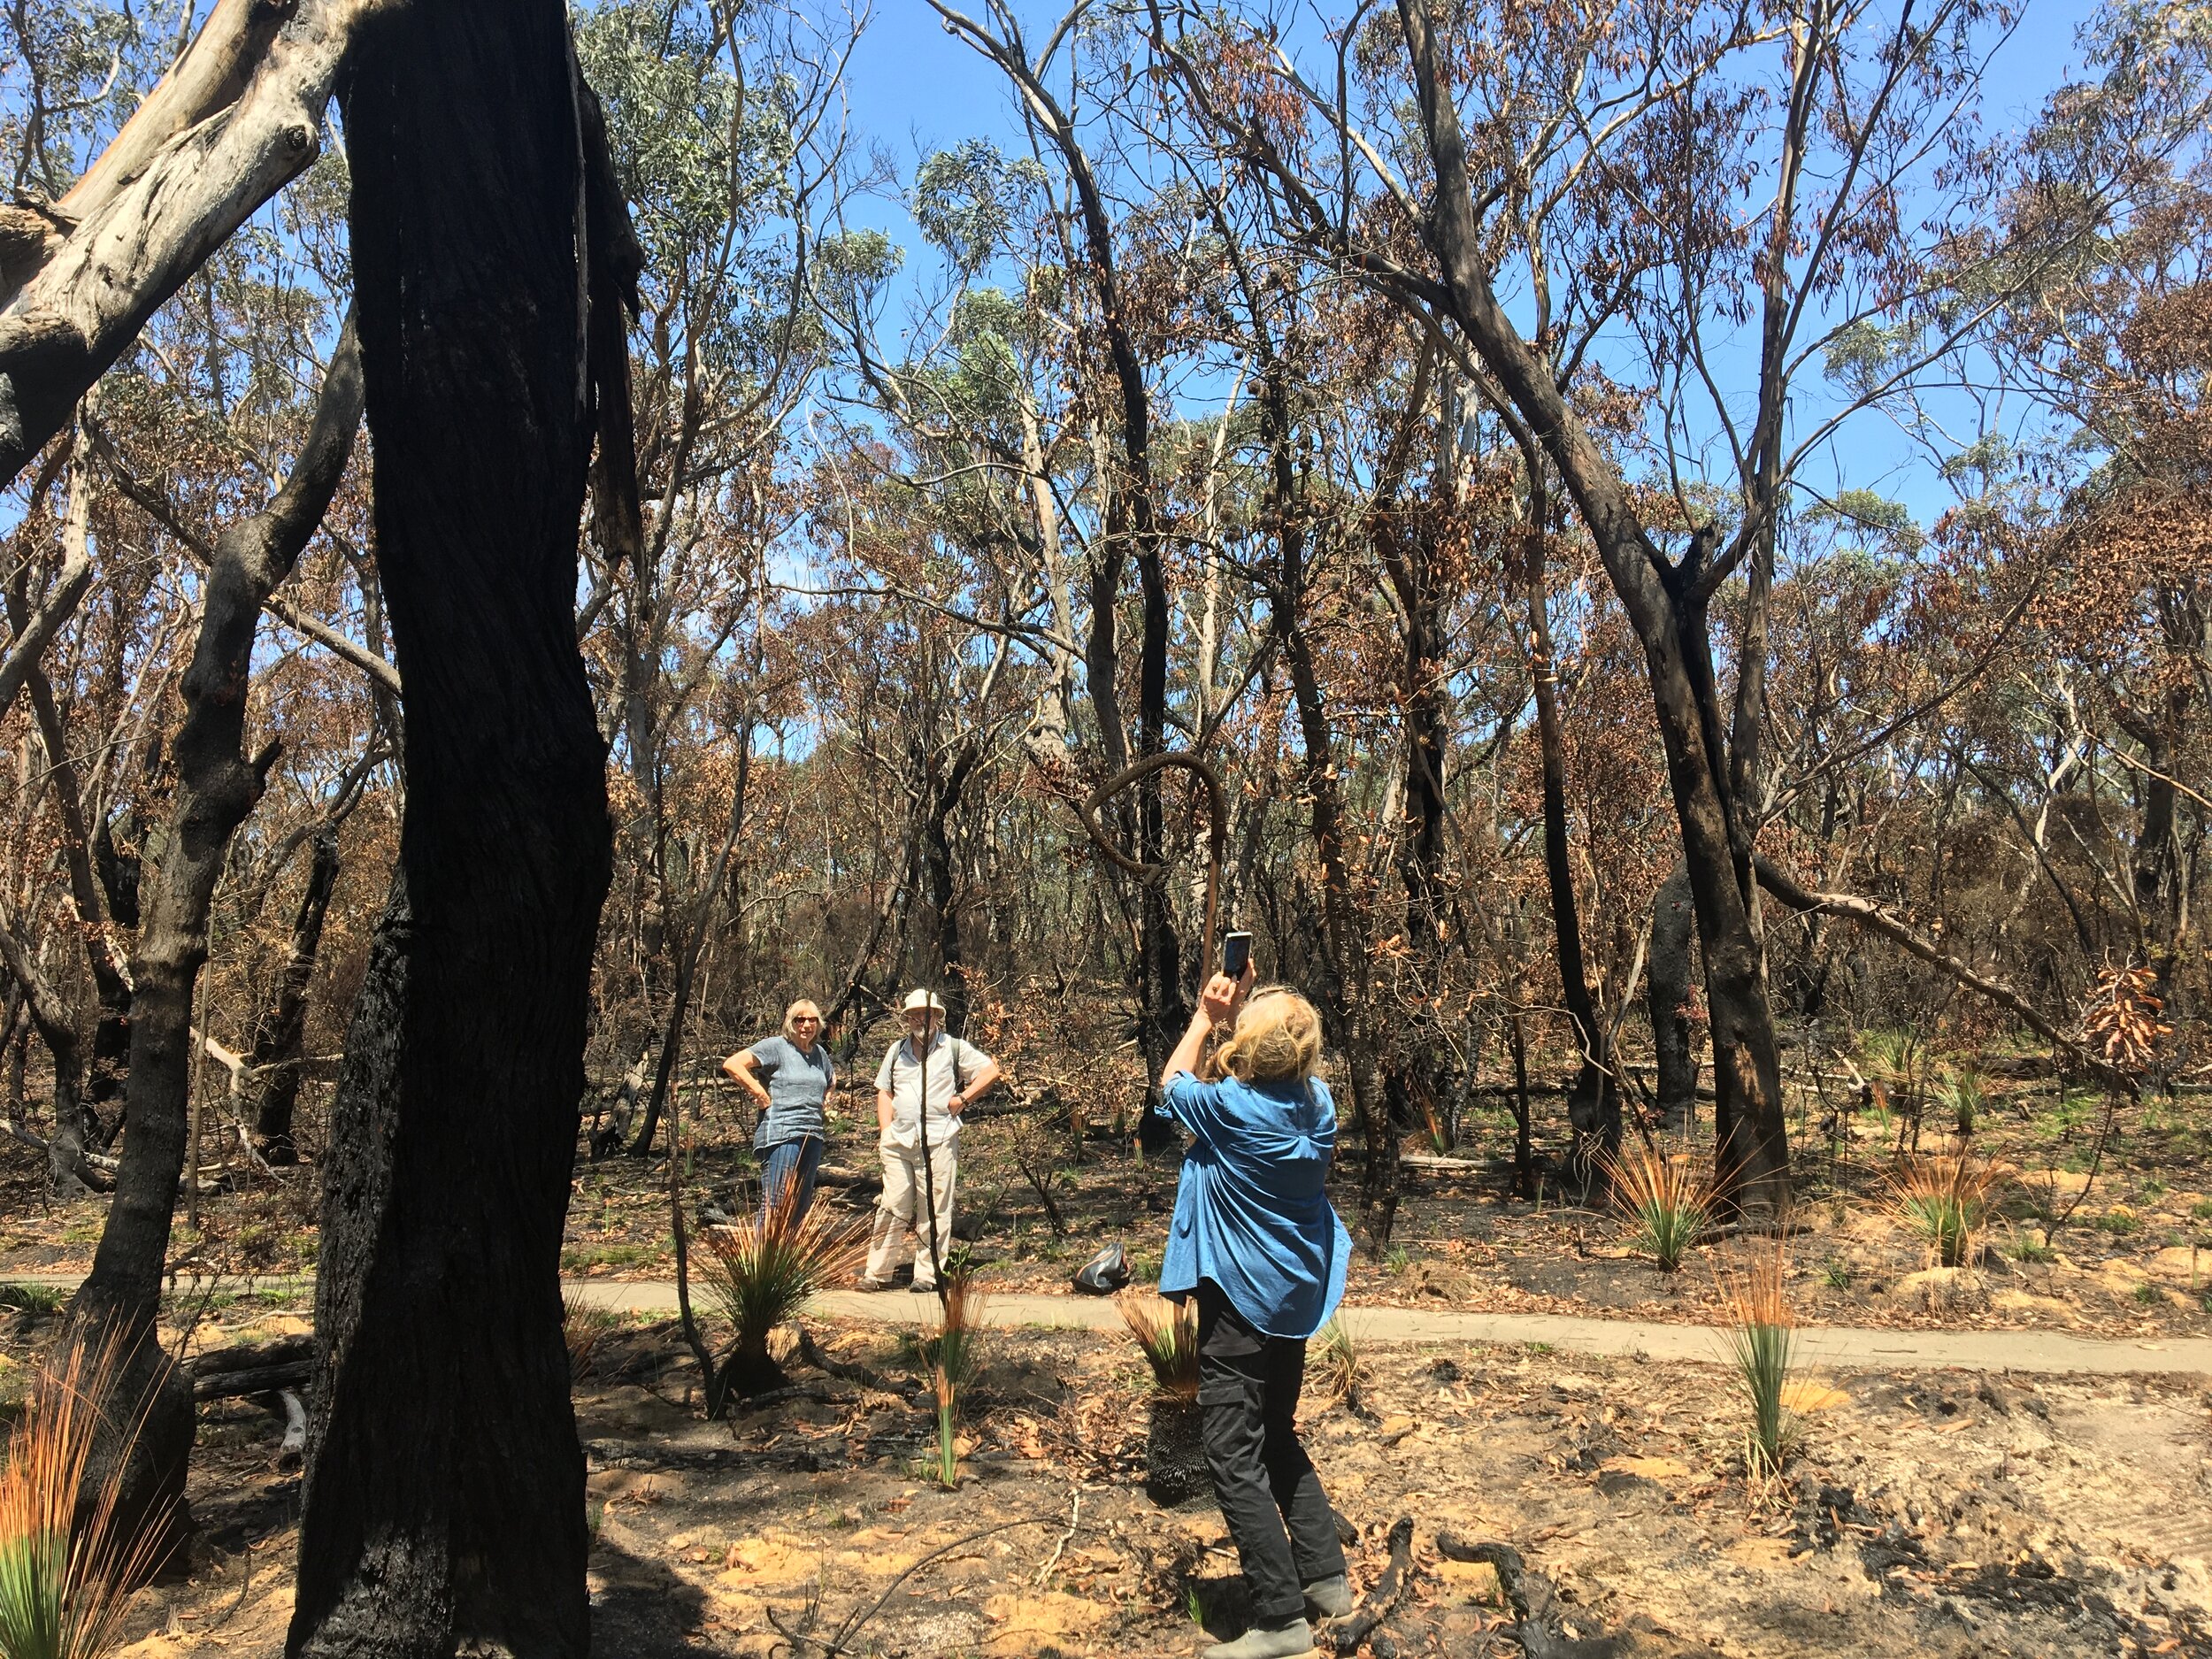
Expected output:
(1236, 955)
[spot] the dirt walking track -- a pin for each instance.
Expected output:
(1835, 1348)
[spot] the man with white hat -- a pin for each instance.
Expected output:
(926, 1081)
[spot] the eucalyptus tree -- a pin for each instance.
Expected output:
(1718, 205)
(727, 129)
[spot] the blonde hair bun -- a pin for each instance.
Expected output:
(1277, 1038)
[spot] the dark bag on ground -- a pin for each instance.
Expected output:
(1104, 1273)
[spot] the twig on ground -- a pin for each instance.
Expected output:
(1075, 1512)
(840, 1639)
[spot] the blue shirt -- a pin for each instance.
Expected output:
(797, 1080)
(1251, 1211)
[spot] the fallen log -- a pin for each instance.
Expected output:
(1382, 1598)
(268, 1379)
(287, 1363)
(1534, 1603)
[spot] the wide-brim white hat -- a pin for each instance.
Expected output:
(916, 1001)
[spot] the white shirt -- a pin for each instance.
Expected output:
(953, 1062)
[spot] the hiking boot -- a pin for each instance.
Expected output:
(1282, 1642)
(1328, 1598)
(868, 1283)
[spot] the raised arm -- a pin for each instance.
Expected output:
(1217, 1005)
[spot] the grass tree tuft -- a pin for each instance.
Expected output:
(1668, 1198)
(763, 1271)
(1167, 1334)
(1946, 1202)
(62, 1593)
(954, 1355)
(1762, 1340)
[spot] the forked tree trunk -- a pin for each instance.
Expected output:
(444, 1498)
(274, 1052)
(66, 1168)
(1667, 603)
(217, 787)
(111, 1030)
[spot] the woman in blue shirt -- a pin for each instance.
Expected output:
(1256, 1240)
(789, 1077)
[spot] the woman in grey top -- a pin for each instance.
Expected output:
(789, 1077)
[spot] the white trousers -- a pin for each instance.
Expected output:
(902, 1228)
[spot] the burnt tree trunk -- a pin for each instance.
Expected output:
(1343, 932)
(217, 786)
(1667, 603)
(112, 1032)
(274, 1052)
(944, 782)
(66, 1168)
(1593, 1108)
(444, 1504)
(1667, 981)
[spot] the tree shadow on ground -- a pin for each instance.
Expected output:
(646, 1611)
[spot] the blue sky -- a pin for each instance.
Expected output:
(915, 89)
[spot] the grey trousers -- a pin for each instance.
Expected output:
(1279, 1517)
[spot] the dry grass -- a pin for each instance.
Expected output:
(1946, 1200)
(1668, 1196)
(585, 1325)
(1343, 1370)
(62, 1598)
(1167, 1332)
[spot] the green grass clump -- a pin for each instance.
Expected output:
(1962, 1095)
(39, 1299)
(581, 1257)
(2147, 1293)
(1668, 1199)
(1836, 1274)
(1343, 1368)
(2120, 1223)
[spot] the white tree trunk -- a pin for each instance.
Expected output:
(237, 118)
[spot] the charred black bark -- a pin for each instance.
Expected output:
(112, 1031)
(1666, 982)
(218, 784)
(444, 1498)
(1593, 1107)
(1667, 601)
(66, 1168)
(273, 1054)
